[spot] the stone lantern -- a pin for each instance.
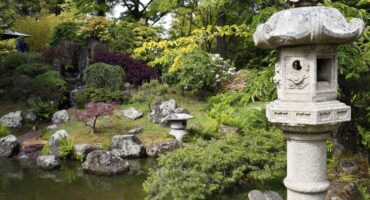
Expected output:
(178, 124)
(306, 38)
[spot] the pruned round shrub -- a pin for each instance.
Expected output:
(136, 72)
(49, 86)
(102, 75)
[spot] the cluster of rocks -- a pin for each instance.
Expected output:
(163, 109)
(16, 119)
(95, 159)
(123, 147)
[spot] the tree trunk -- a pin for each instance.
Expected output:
(221, 40)
(93, 127)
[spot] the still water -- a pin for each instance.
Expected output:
(22, 180)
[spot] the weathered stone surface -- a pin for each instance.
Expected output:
(8, 146)
(29, 116)
(54, 141)
(104, 163)
(52, 127)
(156, 149)
(258, 195)
(136, 131)
(348, 167)
(227, 130)
(343, 191)
(307, 25)
(132, 113)
(80, 151)
(127, 146)
(161, 110)
(47, 162)
(60, 117)
(12, 120)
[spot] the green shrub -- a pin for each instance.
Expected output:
(43, 109)
(101, 75)
(12, 61)
(65, 31)
(149, 92)
(32, 69)
(205, 169)
(98, 95)
(65, 147)
(202, 71)
(4, 131)
(49, 86)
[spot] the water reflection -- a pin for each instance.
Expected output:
(21, 180)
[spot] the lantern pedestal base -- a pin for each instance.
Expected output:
(306, 168)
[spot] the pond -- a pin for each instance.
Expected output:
(20, 179)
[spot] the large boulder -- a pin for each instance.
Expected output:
(268, 195)
(156, 149)
(132, 113)
(54, 141)
(104, 163)
(161, 110)
(47, 162)
(12, 120)
(127, 146)
(80, 151)
(60, 117)
(8, 146)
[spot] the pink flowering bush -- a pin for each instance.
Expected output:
(92, 112)
(237, 81)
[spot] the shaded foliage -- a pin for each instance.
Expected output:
(136, 72)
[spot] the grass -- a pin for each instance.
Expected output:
(108, 126)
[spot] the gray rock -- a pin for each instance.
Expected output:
(12, 120)
(161, 110)
(54, 141)
(60, 117)
(132, 113)
(227, 130)
(8, 146)
(343, 191)
(156, 149)
(30, 116)
(136, 131)
(268, 195)
(52, 127)
(47, 162)
(104, 163)
(127, 146)
(80, 151)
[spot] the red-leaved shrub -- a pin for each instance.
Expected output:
(136, 71)
(92, 112)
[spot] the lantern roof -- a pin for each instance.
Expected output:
(305, 26)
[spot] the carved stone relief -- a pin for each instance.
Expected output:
(297, 76)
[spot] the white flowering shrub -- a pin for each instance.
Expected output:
(201, 71)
